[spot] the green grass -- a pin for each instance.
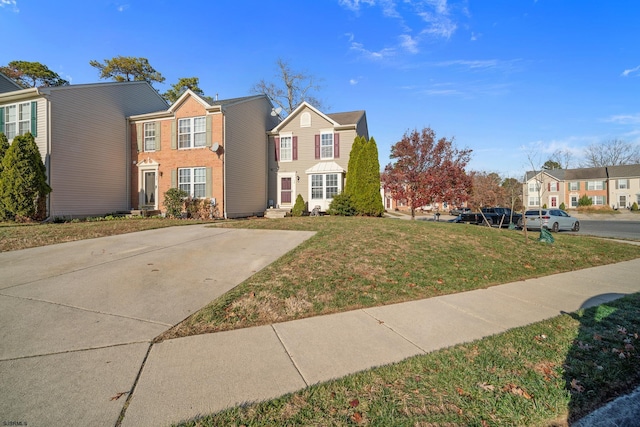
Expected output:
(548, 373)
(359, 262)
(15, 236)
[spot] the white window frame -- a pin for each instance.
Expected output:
(534, 187)
(14, 121)
(574, 185)
(193, 181)
(534, 201)
(320, 182)
(623, 184)
(554, 186)
(192, 132)
(326, 145)
(597, 200)
(150, 136)
(286, 147)
(595, 185)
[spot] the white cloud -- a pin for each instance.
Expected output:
(122, 7)
(10, 4)
(349, 4)
(353, 82)
(625, 73)
(625, 119)
(409, 43)
(379, 55)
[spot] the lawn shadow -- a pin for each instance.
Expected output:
(600, 366)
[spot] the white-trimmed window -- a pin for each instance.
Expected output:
(193, 181)
(534, 201)
(324, 186)
(574, 201)
(149, 137)
(286, 148)
(595, 185)
(534, 187)
(326, 145)
(305, 119)
(574, 186)
(553, 186)
(623, 184)
(597, 200)
(192, 132)
(17, 119)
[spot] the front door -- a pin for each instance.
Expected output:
(554, 202)
(623, 202)
(149, 182)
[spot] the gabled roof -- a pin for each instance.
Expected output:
(557, 174)
(586, 173)
(346, 119)
(8, 85)
(623, 171)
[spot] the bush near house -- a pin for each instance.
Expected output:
(23, 180)
(634, 206)
(298, 207)
(174, 201)
(342, 205)
(585, 201)
(563, 206)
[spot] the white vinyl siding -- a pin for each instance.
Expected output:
(193, 181)
(192, 132)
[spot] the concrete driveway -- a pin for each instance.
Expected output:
(77, 319)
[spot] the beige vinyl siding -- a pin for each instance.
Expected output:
(246, 125)
(90, 157)
(306, 153)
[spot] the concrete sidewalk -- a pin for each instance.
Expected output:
(188, 377)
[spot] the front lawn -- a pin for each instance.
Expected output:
(360, 262)
(547, 374)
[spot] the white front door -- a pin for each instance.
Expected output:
(286, 189)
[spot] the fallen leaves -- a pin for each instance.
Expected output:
(516, 390)
(486, 387)
(575, 385)
(119, 395)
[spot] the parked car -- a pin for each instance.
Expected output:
(494, 217)
(552, 219)
(459, 210)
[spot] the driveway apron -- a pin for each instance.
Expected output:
(77, 319)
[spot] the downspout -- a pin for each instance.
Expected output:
(127, 156)
(48, 140)
(224, 163)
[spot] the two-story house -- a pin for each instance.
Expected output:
(212, 151)
(82, 134)
(624, 186)
(544, 188)
(309, 155)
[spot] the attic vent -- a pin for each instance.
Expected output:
(305, 120)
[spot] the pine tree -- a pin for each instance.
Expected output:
(352, 171)
(367, 198)
(4, 146)
(24, 180)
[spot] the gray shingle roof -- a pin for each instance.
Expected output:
(624, 171)
(347, 118)
(585, 173)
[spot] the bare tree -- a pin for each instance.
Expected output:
(614, 152)
(563, 157)
(290, 89)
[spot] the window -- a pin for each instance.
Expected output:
(192, 132)
(597, 200)
(623, 184)
(193, 181)
(595, 185)
(286, 149)
(324, 186)
(17, 120)
(574, 186)
(305, 119)
(553, 186)
(534, 187)
(326, 145)
(574, 201)
(149, 137)
(534, 201)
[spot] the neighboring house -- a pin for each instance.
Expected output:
(309, 155)
(615, 186)
(8, 85)
(212, 151)
(82, 134)
(624, 186)
(544, 188)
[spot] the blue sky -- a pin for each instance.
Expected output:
(510, 79)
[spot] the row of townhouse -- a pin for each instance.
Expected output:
(114, 147)
(614, 186)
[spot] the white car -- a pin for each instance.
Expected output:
(552, 219)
